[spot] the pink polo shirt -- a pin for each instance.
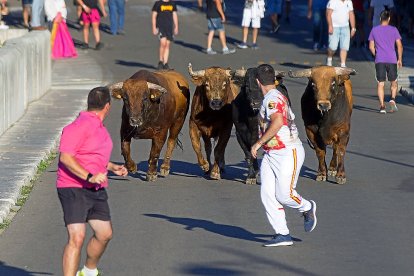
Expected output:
(88, 140)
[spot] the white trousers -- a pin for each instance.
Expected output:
(279, 173)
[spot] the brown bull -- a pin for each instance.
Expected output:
(326, 111)
(155, 105)
(211, 115)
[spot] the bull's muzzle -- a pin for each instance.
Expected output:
(216, 104)
(135, 122)
(324, 106)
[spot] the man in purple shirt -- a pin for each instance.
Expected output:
(382, 41)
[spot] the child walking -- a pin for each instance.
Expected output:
(90, 15)
(165, 25)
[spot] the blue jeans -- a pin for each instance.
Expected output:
(116, 15)
(320, 27)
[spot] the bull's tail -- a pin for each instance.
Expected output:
(178, 143)
(310, 144)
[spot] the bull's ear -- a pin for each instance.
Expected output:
(198, 80)
(155, 95)
(116, 90)
(342, 79)
(197, 77)
(118, 93)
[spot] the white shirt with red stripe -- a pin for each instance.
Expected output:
(287, 136)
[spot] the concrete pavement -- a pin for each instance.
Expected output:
(36, 134)
(188, 225)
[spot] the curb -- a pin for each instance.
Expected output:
(408, 93)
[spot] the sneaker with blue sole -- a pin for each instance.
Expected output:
(309, 218)
(279, 240)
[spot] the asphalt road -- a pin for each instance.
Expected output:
(186, 224)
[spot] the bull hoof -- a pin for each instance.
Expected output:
(205, 168)
(332, 172)
(131, 167)
(152, 177)
(251, 181)
(340, 180)
(321, 178)
(215, 175)
(164, 171)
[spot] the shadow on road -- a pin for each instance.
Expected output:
(220, 229)
(236, 172)
(14, 271)
(189, 45)
(243, 257)
(134, 64)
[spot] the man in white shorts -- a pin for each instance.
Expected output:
(339, 15)
(283, 158)
(252, 14)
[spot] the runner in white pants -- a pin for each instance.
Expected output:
(283, 158)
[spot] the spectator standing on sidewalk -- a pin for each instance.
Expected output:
(85, 149)
(317, 12)
(26, 12)
(382, 41)
(215, 20)
(283, 158)
(117, 16)
(165, 25)
(252, 14)
(359, 12)
(376, 7)
(38, 15)
(90, 15)
(273, 10)
(339, 15)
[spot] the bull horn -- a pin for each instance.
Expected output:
(280, 74)
(116, 89)
(156, 87)
(340, 71)
(200, 73)
(114, 86)
(306, 73)
(239, 73)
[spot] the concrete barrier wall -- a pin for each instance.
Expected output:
(25, 73)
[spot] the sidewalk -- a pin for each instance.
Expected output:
(36, 134)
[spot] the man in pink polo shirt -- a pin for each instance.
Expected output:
(85, 149)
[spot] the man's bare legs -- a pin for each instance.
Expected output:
(72, 251)
(343, 54)
(98, 242)
(164, 50)
(380, 92)
(245, 33)
(255, 33)
(222, 36)
(96, 245)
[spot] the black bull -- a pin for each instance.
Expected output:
(245, 110)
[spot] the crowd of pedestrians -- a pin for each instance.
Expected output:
(337, 24)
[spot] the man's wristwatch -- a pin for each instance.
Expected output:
(89, 177)
(353, 29)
